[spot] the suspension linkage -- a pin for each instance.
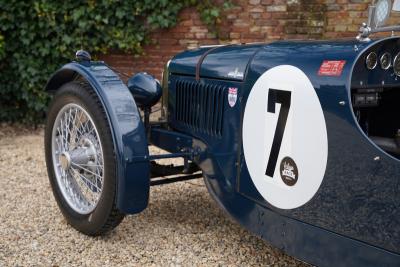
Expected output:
(189, 154)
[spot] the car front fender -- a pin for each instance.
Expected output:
(130, 143)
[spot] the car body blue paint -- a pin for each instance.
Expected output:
(357, 191)
(357, 207)
(126, 125)
(185, 63)
(225, 62)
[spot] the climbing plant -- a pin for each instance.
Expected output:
(38, 36)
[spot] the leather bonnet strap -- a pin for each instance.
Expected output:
(201, 59)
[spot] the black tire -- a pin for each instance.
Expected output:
(105, 215)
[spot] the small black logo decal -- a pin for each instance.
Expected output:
(289, 171)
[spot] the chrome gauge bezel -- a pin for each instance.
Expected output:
(396, 58)
(389, 61)
(368, 59)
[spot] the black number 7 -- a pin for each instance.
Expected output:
(284, 98)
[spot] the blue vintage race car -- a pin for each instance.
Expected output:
(297, 141)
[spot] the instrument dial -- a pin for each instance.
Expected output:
(396, 64)
(386, 61)
(372, 60)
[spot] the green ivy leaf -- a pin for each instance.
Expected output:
(40, 36)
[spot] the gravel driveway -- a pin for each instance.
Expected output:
(182, 225)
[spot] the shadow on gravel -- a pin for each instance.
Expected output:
(187, 216)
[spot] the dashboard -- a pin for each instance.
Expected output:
(379, 66)
(375, 95)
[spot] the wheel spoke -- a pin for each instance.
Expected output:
(75, 137)
(89, 165)
(86, 180)
(68, 129)
(78, 127)
(80, 186)
(61, 132)
(86, 170)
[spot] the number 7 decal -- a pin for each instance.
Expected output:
(293, 164)
(284, 98)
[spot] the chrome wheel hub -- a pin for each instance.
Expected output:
(82, 155)
(78, 158)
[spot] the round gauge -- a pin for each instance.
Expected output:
(396, 64)
(372, 60)
(386, 60)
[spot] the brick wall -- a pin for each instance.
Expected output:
(249, 21)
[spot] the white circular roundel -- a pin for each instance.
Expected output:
(284, 137)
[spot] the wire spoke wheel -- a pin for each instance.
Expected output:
(78, 159)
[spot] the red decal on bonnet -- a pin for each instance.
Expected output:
(331, 68)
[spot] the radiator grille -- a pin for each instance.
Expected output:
(200, 106)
